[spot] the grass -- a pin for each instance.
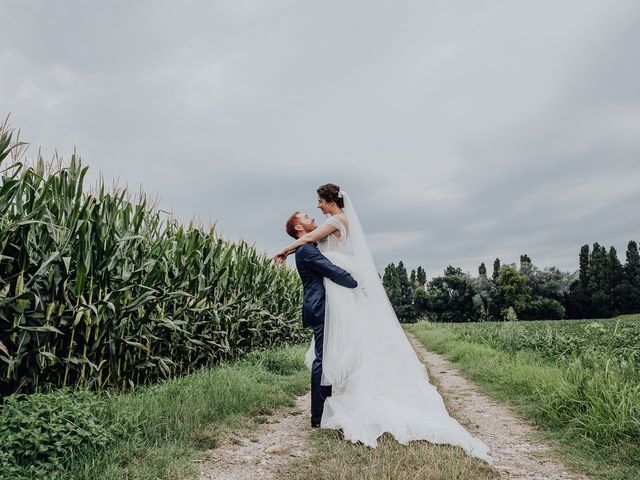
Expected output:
(586, 404)
(334, 458)
(168, 424)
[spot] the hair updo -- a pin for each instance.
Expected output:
(329, 193)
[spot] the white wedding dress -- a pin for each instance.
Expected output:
(378, 383)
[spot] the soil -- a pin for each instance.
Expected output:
(259, 454)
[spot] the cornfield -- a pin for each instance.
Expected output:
(98, 291)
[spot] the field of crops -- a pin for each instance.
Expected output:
(616, 340)
(98, 290)
(578, 378)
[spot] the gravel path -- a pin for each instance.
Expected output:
(283, 437)
(516, 454)
(274, 443)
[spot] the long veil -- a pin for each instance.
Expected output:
(368, 276)
(385, 327)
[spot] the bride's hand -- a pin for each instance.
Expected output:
(279, 258)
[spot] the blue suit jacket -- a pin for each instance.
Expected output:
(312, 267)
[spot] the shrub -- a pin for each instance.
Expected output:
(543, 308)
(39, 432)
(510, 315)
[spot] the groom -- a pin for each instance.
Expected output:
(313, 267)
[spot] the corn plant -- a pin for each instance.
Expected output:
(98, 290)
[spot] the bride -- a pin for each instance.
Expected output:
(378, 383)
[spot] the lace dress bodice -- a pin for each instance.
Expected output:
(331, 243)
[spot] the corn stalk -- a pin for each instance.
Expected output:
(99, 291)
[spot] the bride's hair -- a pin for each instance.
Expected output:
(329, 192)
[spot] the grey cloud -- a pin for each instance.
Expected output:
(462, 130)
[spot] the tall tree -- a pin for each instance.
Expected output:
(412, 279)
(584, 267)
(405, 285)
(482, 270)
(630, 289)
(513, 288)
(421, 302)
(552, 283)
(549, 288)
(615, 279)
(578, 300)
(632, 265)
(404, 308)
(451, 296)
(527, 269)
(391, 284)
(485, 291)
(598, 281)
(452, 271)
(496, 268)
(421, 276)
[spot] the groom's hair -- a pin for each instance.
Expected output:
(290, 227)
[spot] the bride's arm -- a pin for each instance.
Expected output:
(316, 235)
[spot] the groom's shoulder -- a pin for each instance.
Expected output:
(306, 249)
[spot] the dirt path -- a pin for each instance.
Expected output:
(274, 443)
(283, 437)
(516, 454)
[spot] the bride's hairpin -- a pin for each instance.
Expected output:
(340, 193)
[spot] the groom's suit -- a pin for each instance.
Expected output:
(312, 267)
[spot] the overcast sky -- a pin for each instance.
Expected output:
(462, 130)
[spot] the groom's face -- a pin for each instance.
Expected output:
(307, 223)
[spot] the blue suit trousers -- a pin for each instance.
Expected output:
(319, 393)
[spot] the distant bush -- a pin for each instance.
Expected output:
(510, 315)
(543, 309)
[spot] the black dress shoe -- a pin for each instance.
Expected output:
(315, 425)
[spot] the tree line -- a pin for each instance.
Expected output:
(601, 287)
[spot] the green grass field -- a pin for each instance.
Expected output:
(578, 380)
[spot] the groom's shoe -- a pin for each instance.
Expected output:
(315, 424)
